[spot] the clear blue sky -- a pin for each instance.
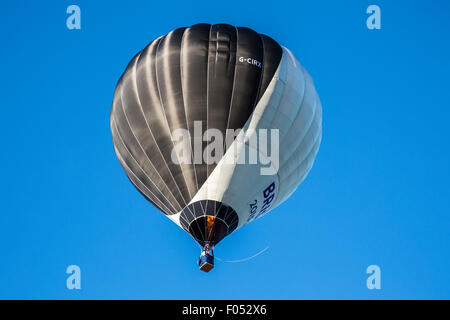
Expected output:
(377, 194)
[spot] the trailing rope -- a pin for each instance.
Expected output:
(245, 259)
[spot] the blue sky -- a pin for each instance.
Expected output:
(377, 194)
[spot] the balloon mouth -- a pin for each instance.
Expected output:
(208, 230)
(209, 221)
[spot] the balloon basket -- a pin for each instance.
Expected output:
(206, 262)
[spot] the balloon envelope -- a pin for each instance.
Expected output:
(222, 85)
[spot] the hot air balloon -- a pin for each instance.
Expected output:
(206, 81)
